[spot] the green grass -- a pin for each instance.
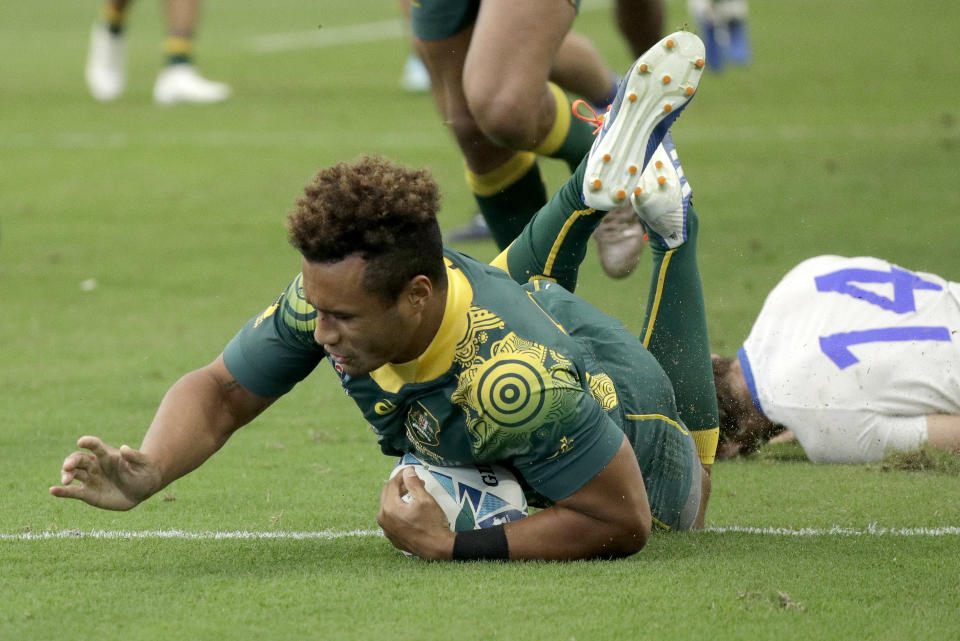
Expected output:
(842, 137)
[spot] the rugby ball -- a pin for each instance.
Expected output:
(472, 497)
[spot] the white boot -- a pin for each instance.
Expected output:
(181, 83)
(106, 70)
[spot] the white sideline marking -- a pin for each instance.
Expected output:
(429, 138)
(871, 530)
(349, 34)
(329, 36)
(183, 534)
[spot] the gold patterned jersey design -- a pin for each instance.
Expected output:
(519, 390)
(603, 390)
(479, 324)
(298, 314)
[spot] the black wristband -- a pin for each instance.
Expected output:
(489, 544)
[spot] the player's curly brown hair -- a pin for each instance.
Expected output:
(384, 212)
(729, 407)
(740, 424)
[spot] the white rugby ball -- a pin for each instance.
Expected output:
(472, 497)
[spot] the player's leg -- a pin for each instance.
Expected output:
(733, 13)
(943, 431)
(579, 69)
(723, 26)
(640, 22)
(508, 97)
(619, 237)
(675, 329)
(106, 70)
(554, 243)
(414, 78)
(179, 81)
(505, 77)
(506, 183)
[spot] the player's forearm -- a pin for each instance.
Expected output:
(607, 517)
(562, 534)
(196, 417)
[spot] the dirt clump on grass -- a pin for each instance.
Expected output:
(925, 459)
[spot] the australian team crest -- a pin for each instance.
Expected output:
(423, 428)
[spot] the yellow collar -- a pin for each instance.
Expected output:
(437, 358)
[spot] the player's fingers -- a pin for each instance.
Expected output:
(136, 457)
(81, 475)
(73, 459)
(93, 444)
(74, 462)
(78, 460)
(391, 490)
(69, 491)
(413, 483)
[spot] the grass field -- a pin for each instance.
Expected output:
(135, 240)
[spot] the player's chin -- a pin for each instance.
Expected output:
(359, 366)
(356, 369)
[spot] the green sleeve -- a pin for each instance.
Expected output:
(575, 449)
(275, 350)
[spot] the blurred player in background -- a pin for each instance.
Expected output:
(853, 356)
(575, 67)
(414, 78)
(723, 27)
(460, 363)
(178, 81)
(490, 64)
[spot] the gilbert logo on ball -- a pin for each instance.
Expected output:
(471, 496)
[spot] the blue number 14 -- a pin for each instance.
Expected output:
(837, 346)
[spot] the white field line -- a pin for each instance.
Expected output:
(183, 534)
(329, 36)
(347, 34)
(870, 530)
(784, 134)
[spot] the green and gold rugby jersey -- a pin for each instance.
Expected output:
(528, 376)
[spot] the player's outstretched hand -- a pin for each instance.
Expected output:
(107, 477)
(415, 524)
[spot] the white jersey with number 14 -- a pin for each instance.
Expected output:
(852, 353)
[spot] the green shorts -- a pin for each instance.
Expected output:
(646, 409)
(437, 19)
(664, 448)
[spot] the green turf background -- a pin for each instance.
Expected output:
(842, 137)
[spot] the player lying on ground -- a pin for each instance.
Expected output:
(457, 362)
(853, 356)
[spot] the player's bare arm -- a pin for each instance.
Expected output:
(195, 418)
(943, 431)
(607, 517)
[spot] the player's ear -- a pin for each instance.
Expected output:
(418, 291)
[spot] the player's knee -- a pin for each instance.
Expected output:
(631, 535)
(636, 537)
(503, 119)
(471, 139)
